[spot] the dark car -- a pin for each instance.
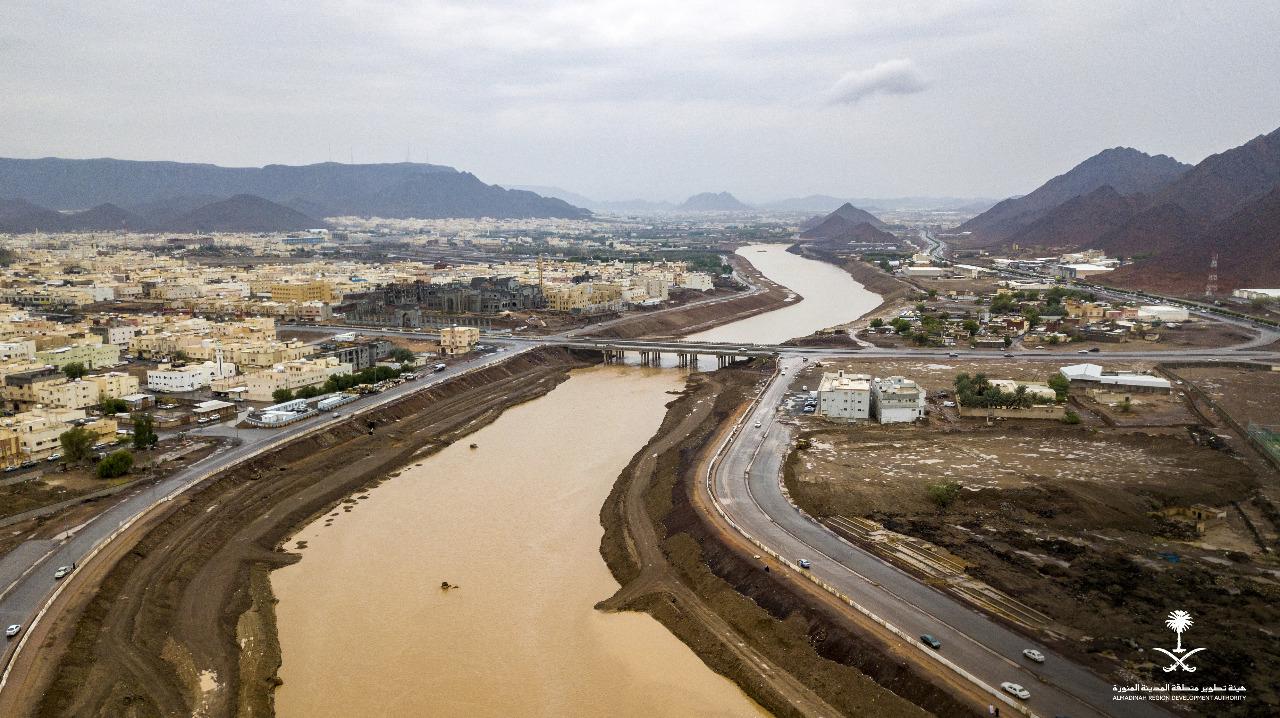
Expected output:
(931, 642)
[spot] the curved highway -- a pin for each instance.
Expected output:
(746, 486)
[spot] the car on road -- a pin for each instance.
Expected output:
(1094, 349)
(804, 563)
(62, 572)
(13, 630)
(931, 642)
(7, 469)
(1033, 654)
(1015, 690)
(953, 355)
(1008, 355)
(757, 425)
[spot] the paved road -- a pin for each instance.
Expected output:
(26, 576)
(746, 484)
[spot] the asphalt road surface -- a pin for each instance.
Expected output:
(746, 484)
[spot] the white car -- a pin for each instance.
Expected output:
(757, 425)
(13, 630)
(1033, 654)
(62, 572)
(1015, 690)
(804, 563)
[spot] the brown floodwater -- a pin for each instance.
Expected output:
(831, 297)
(366, 630)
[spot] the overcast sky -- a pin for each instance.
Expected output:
(654, 99)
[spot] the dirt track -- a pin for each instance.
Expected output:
(162, 635)
(760, 629)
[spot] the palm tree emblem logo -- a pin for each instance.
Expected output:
(1178, 622)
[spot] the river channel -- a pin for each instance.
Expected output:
(365, 629)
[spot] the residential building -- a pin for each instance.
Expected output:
(314, 291)
(114, 384)
(188, 377)
(293, 375)
(844, 396)
(584, 298)
(38, 430)
(896, 399)
(458, 340)
(92, 356)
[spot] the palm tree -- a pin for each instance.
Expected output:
(1178, 622)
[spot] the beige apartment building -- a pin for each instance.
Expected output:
(115, 384)
(91, 355)
(45, 385)
(37, 431)
(584, 298)
(292, 375)
(458, 340)
(313, 291)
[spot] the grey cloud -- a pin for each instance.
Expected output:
(891, 77)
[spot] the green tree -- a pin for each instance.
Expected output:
(76, 443)
(1032, 315)
(117, 463)
(1060, 385)
(900, 325)
(884, 264)
(74, 370)
(1008, 342)
(877, 323)
(1070, 417)
(280, 396)
(971, 326)
(933, 293)
(944, 493)
(110, 405)
(402, 355)
(144, 432)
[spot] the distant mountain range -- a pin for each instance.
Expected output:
(241, 213)
(329, 189)
(1170, 218)
(818, 203)
(844, 217)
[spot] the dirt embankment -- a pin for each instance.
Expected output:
(890, 288)
(704, 316)
(163, 635)
(792, 654)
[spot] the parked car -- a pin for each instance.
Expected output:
(1033, 654)
(63, 571)
(804, 563)
(1015, 690)
(13, 630)
(931, 642)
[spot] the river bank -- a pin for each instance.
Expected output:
(893, 291)
(791, 653)
(163, 634)
(701, 317)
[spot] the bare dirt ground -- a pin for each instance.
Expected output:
(795, 652)
(1189, 335)
(1248, 396)
(162, 635)
(1067, 519)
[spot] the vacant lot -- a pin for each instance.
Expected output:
(1248, 396)
(1067, 519)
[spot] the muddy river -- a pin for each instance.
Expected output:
(366, 630)
(831, 297)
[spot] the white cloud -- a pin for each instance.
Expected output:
(891, 77)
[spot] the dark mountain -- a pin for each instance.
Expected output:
(337, 188)
(242, 213)
(712, 202)
(1125, 169)
(103, 217)
(838, 230)
(849, 217)
(18, 216)
(1157, 229)
(1081, 220)
(162, 211)
(1222, 183)
(1245, 241)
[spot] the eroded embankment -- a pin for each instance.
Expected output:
(701, 317)
(890, 288)
(163, 635)
(675, 563)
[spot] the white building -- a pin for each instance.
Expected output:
(844, 396)
(1163, 312)
(1251, 294)
(191, 377)
(1092, 373)
(1079, 271)
(897, 399)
